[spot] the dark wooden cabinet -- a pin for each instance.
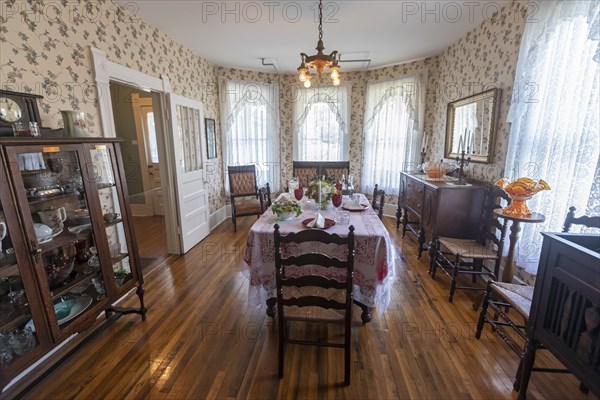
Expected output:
(565, 309)
(429, 209)
(67, 245)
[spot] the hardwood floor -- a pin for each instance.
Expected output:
(201, 340)
(151, 235)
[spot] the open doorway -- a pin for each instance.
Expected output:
(134, 113)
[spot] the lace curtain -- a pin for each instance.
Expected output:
(250, 120)
(393, 131)
(321, 124)
(554, 115)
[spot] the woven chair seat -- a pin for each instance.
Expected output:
(519, 296)
(247, 206)
(468, 248)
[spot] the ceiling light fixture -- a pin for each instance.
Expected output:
(319, 61)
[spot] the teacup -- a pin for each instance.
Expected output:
(110, 217)
(53, 217)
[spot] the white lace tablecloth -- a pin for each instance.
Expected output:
(374, 259)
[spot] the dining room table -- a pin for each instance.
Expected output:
(374, 253)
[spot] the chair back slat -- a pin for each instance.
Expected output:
(313, 280)
(313, 235)
(314, 259)
(378, 200)
(314, 301)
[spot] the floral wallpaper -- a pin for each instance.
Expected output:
(44, 47)
(485, 58)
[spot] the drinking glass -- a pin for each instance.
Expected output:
(298, 193)
(336, 200)
(99, 286)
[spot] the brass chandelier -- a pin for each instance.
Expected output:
(319, 61)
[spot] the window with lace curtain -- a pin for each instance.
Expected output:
(250, 120)
(321, 124)
(392, 131)
(555, 119)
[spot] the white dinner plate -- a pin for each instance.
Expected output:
(47, 238)
(78, 229)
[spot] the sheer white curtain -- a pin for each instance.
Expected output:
(321, 124)
(393, 131)
(250, 121)
(555, 115)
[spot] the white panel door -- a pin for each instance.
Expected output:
(187, 120)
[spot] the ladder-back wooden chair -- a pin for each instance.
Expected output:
(246, 197)
(378, 200)
(456, 256)
(306, 295)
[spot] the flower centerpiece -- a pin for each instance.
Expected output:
(321, 192)
(286, 209)
(520, 191)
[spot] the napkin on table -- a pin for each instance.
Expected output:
(353, 205)
(318, 222)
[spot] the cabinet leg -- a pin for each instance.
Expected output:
(404, 222)
(421, 241)
(398, 217)
(140, 292)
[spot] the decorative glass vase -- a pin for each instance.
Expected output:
(518, 207)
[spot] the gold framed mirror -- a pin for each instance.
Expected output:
(472, 122)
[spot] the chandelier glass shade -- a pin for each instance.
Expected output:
(319, 61)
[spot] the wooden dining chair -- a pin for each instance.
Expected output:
(378, 200)
(306, 294)
(501, 298)
(456, 256)
(246, 197)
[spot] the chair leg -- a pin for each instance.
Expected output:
(433, 259)
(347, 355)
(281, 348)
(233, 219)
(482, 314)
(454, 278)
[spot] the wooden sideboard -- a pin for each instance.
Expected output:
(429, 209)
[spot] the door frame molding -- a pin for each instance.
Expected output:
(106, 71)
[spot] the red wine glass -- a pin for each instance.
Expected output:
(298, 193)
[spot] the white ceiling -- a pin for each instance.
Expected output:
(239, 33)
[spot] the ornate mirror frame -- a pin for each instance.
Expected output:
(485, 115)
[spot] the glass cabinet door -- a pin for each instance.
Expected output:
(111, 200)
(19, 304)
(53, 191)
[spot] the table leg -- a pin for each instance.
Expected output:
(271, 310)
(509, 265)
(365, 316)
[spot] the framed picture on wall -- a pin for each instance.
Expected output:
(211, 140)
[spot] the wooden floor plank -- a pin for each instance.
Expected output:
(202, 340)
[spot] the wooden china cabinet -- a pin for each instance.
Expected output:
(68, 250)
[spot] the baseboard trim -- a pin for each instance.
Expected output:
(218, 216)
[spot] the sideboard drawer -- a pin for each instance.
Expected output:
(414, 194)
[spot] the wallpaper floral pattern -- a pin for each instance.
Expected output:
(44, 47)
(44, 50)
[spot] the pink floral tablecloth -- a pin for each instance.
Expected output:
(374, 259)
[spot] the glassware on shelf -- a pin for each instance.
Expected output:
(18, 298)
(99, 286)
(5, 351)
(93, 262)
(21, 341)
(83, 253)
